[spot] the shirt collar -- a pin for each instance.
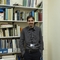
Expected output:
(31, 28)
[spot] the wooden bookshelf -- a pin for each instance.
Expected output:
(10, 37)
(20, 22)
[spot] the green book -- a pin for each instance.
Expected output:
(24, 2)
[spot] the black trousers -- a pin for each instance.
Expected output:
(32, 56)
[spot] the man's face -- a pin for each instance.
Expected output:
(30, 22)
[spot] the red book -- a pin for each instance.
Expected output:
(39, 16)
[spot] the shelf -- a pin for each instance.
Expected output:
(11, 21)
(1, 54)
(6, 21)
(39, 21)
(5, 27)
(10, 37)
(26, 21)
(19, 7)
(20, 21)
(27, 8)
(6, 6)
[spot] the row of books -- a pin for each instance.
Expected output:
(30, 3)
(7, 14)
(9, 45)
(23, 15)
(9, 30)
(7, 2)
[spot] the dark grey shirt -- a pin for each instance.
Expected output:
(31, 36)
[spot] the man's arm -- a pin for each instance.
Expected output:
(22, 42)
(41, 40)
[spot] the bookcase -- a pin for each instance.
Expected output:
(13, 20)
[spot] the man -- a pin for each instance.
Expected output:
(31, 41)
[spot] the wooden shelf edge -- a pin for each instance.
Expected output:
(10, 53)
(10, 37)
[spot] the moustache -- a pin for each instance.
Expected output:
(30, 23)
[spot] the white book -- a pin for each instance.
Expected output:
(2, 2)
(10, 14)
(9, 57)
(1, 33)
(7, 32)
(18, 30)
(15, 16)
(14, 45)
(16, 34)
(33, 3)
(3, 44)
(9, 50)
(1, 16)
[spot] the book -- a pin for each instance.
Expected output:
(39, 16)
(33, 3)
(24, 2)
(0, 44)
(14, 45)
(18, 15)
(8, 2)
(1, 14)
(18, 30)
(18, 45)
(32, 13)
(7, 32)
(36, 16)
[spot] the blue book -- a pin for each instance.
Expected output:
(8, 2)
(18, 14)
(1, 51)
(6, 14)
(18, 57)
(5, 50)
(6, 10)
(32, 13)
(1, 10)
(0, 44)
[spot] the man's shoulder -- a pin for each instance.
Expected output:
(25, 28)
(37, 27)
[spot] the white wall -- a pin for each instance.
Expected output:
(54, 29)
(45, 29)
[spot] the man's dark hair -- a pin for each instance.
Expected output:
(30, 17)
